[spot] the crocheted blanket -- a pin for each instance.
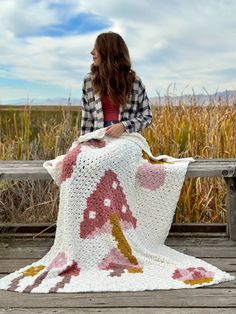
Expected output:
(115, 212)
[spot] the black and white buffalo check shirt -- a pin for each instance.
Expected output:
(135, 116)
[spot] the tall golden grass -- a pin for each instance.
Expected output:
(181, 131)
(200, 132)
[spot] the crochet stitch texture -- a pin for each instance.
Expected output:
(115, 213)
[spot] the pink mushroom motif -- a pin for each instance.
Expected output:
(108, 212)
(193, 275)
(117, 263)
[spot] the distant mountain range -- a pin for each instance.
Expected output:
(42, 101)
(228, 96)
(200, 99)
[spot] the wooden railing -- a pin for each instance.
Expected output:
(226, 168)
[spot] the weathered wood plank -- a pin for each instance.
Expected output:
(201, 251)
(13, 235)
(23, 174)
(211, 169)
(231, 207)
(40, 161)
(23, 252)
(213, 242)
(198, 227)
(51, 235)
(197, 251)
(32, 169)
(198, 234)
(170, 241)
(135, 310)
(28, 228)
(7, 163)
(25, 242)
(10, 265)
(183, 298)
(192, 228)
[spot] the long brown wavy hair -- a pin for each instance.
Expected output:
(114, 76)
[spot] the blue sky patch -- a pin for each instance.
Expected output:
(83, 23)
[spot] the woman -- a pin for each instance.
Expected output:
(113, 95)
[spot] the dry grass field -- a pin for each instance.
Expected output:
(180, 131)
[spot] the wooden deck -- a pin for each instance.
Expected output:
(219, 251)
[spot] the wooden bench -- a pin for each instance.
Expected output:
(16, 253)
(225, 168)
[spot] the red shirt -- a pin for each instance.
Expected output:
(110, 112)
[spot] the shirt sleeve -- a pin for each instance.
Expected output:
(86, 120)
(143, 115)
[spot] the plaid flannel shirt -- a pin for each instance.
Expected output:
(135, 116)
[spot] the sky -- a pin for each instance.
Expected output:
(176, 46)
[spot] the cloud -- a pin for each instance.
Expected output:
(184, 42)
(177, 41)
(21, 16)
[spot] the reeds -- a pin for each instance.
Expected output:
(200, 132)
(180, 131)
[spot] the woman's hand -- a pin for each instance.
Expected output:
(115, 130)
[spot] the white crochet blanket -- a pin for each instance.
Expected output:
(115, 213)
